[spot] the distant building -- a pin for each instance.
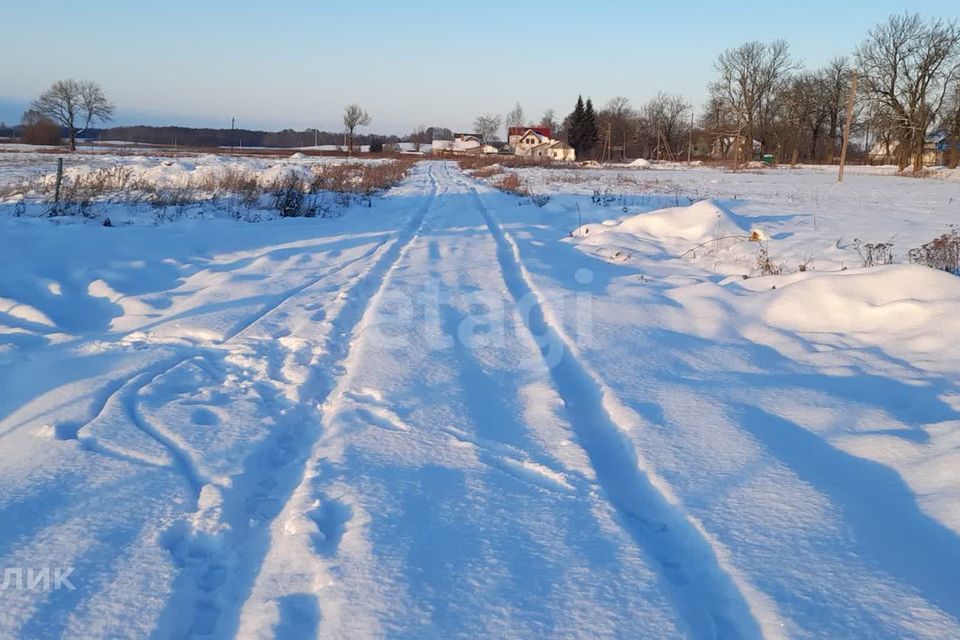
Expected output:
(537, 142)
(462, 144)
(936, 148)
(528, 136)
(553, 149)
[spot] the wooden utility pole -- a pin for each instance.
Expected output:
(846, 128)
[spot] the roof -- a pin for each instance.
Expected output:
(519, 131)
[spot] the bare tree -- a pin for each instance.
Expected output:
(617, 122)
(951, 124)
(719, 124)
(805, 111)
(439, 133)
(748, 76)
(835, 79)
(354, 116)
(908, 66)
(774, 71)
(663, 123)
(419, 137)
(74, 105)
(488, 126)
(515, 116)
(882, 123)
(549, 120)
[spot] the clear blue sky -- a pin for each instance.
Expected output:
(295, 63)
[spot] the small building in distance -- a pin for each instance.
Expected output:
(537, 142)
(462, 144)
(522, 138)
(553, 149)
(936, 149)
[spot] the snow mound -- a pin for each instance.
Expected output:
(640, 163)
(699, 222)
(895, 298)
(279, 173)
(298, 156)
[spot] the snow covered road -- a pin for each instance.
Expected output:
(442, 418)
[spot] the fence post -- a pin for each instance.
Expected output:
(56, 194)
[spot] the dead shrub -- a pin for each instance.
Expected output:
(488, 172)
(360, 178)
(942, 253)
(236, 182)
(873, 254)
(41, 132)
(539, 199)
(511, 183)
(766, 265)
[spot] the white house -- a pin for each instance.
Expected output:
(553, 149)
(462, 143)
(536, 142)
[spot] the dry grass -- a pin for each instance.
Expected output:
(511, 183)
(360, 178)
(292, 194)
(472, 163)
(488, 172)
(171, 151)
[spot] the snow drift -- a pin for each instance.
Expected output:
(907, 310)
(694, 224)
(893, 298)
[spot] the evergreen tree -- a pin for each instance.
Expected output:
(583, 128)
(574, 125)
(591, 128)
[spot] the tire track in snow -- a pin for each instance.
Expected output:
(217, 576)
(293, 293)
(711, 599)
(127, 395)
(103, 396)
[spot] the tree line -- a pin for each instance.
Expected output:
(761, 100)
(907, 71)
(69, 108)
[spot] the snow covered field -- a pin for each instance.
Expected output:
(138, 189)
(457, 414)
